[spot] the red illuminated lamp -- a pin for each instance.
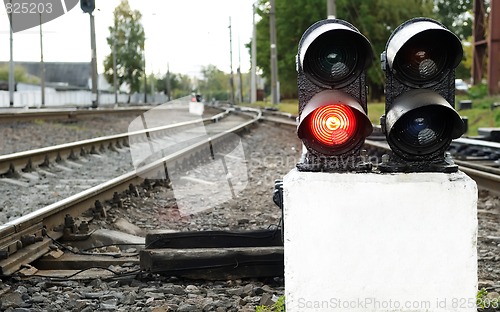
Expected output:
(333, 123)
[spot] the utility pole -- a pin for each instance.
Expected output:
(145, 77)
(152, 81)
(240, 77)
(115, 82)
(253, 78)
(11, 64)
(231, 79)
(95, 94)
(331, 9)
(168, 83)
(42, 65)
(274, 52)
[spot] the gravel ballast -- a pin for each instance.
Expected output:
(270, 152)
(44, 186)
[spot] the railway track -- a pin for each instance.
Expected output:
(38, 235)
(483, 170)
(478, 159)
(28, 160)
(28, 237)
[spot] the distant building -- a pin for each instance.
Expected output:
(68, 75)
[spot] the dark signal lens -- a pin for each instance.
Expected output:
(333, 62)
(421, 64)
(422, 131)
(332, 59)
(333, 125)
(424, 62)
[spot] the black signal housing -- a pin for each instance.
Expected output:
(331, 62)
(420, 120)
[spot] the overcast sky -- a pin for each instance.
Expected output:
(186, 34)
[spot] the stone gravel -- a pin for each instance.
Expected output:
(489, 241)
(269, 153)
(26, 135)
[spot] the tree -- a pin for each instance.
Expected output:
(180, 85)
(214, 84)
(464, 69)
(128, 37)
(292, 19)
(376, 19)
(150, 78)
(20, 75)
(456, 16)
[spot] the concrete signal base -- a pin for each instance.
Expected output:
(380, 242)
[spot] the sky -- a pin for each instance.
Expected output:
(182, 34)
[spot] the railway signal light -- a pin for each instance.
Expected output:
(420, 120)
(87, 6)
(331, 62)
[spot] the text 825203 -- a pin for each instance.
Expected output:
(28, 8)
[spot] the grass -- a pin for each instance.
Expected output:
(480, 116)
(375, 110)
(278, 306)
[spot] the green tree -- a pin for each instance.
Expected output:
(376, 19)
(20, 74)
(127, 35)
(214, 84)
(464, 69)
(456, 15)
(150, 78)
(180, 85)
(292, 19)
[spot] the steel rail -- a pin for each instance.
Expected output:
(486, 177)
(279, 118)
(26, 160)
(484, 180)
(49, 219)
(481, 143)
